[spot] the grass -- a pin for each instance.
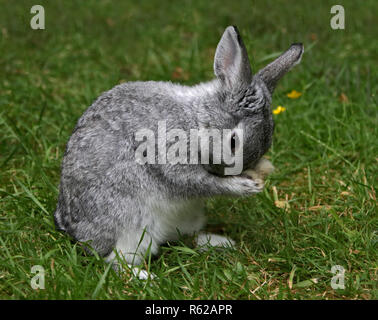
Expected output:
(324, 149)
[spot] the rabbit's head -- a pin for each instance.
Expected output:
(244, 99)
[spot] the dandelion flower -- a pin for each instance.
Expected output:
(294, 94)
(279, 109)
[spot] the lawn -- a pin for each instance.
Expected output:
(318, 209)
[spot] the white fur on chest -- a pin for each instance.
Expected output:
(171, 218)
(164, 221)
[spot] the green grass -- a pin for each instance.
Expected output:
(325, 148)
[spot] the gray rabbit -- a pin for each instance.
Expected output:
(126, 208)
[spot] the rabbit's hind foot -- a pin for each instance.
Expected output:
(207, 240)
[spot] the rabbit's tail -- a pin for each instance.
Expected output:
(58, 220)
(60, 217)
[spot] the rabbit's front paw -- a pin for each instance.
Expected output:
(245, 186)
(263, 168)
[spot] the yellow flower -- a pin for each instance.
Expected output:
(294, 94)
(279, 109)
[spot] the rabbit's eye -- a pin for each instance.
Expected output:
(233, 143)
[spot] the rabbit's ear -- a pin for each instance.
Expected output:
(275, 70)
(231, 63)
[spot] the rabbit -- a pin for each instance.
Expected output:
(126, 209)
(262, 169)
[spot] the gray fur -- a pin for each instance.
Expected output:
(107, 198)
